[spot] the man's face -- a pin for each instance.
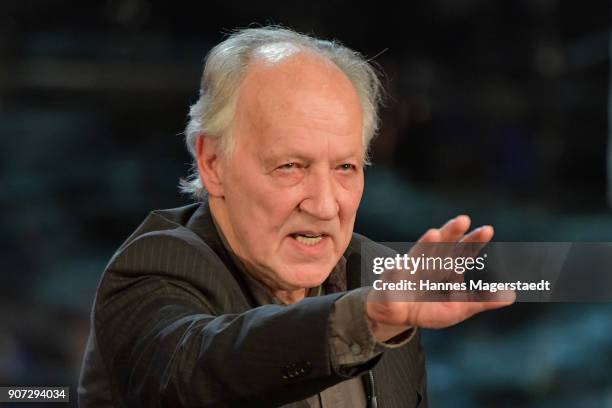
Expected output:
(292, 185)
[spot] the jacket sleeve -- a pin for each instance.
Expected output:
(165, 345)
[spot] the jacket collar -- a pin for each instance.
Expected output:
(201, 223)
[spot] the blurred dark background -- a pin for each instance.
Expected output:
(497, 109)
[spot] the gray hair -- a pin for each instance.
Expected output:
(225, 66)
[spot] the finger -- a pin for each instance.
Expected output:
(432, 235)
(450, 233)
(473, 243)
(493, 300)
(423, 245)
(454, 229)
(484, 306)
(479, 235)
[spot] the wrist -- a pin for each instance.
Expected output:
(384, 332)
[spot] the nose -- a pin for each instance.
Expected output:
(321, 196)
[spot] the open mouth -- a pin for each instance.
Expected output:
(308, 239)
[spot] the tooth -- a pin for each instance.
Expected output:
(308, 240)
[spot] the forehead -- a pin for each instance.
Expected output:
(299, 90)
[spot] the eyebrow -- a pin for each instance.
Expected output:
(271, 159)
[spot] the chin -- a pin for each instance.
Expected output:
(310, 276)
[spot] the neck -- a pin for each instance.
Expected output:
(219, 211)
(290, 297)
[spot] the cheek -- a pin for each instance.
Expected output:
(348, 208)
(267, 209)
(352, 197)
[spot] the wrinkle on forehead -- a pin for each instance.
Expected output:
(301, 84)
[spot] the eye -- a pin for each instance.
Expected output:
(347, 167)
(288, 166)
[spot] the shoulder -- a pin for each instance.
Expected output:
(169, 222)
(167, 250)
(161, 241)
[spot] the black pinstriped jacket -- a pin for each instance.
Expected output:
(174, 325)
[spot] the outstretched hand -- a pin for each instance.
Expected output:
(388, 317)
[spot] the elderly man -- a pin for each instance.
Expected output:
(241, 299)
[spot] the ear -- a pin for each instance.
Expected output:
(209, 165)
